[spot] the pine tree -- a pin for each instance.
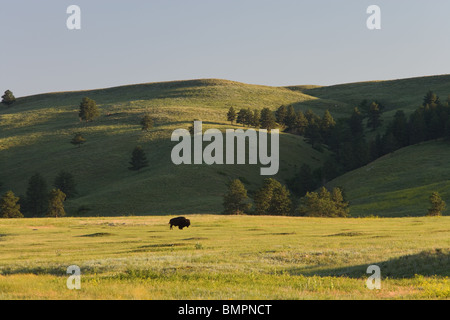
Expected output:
(356, 123)
(9, 207)
(242, 116)
(36, 196)
(256, 119)
(272, 199)
(291, 118)
(267, 119)
(301, 123)
(236, 199)
(78, 140)
(65, 182)
(138, 159)
(374, 121)
(399, 128)
(88, 110)
(324, 204)
(430, 99)
(280, 204)
(231, 115)
(147, 122)
(56, 204)
(437, 205)
(8, 98)
(303, 181)
(327, 121)
(280, 115)
(417, 127)
(248, 118)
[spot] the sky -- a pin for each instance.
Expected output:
(268, 42)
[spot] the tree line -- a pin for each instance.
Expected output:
(39, 201)
(273, 198)
(346, 138)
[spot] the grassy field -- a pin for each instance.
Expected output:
(225, 257)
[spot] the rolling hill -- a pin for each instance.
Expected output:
(35, 134)
(399, 184)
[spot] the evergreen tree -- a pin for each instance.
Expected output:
(56, 204)
(256, 119)
(313, 136)
(399, 128)
(280, 115)
(36, 196)
(324, 204)
(242, 116)
(248, 118)
(78, 140)
(437, 205)
(8, 98)
(147, 122)
(9, 207)
(236, 199)
(291, 118)
(430, 99)
(280, 204)
(272, 199)
(301, 123)
(231, 115)
(417, 127)
(327, 123)
(65, 182)
(303, 181)
(88, 110)
(138, 159)
(267, 119)
(356, 123)
(374, 117)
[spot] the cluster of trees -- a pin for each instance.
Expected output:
(38, 201)
(351, 149)
(273, 198)
(8, 98)
(263, 119)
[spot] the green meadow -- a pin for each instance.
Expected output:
(225, 257)
(117, 232)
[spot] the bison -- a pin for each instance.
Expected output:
(180, 222)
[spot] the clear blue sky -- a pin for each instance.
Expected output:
(276, 42)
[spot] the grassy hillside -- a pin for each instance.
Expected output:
(399, 184)
(225, 257)
(402, 94)
(35, 134)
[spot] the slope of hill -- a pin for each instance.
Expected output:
(35, 134)
(399, 184)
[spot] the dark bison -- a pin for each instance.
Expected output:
(180, 222)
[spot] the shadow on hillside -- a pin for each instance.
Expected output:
(427, 263)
